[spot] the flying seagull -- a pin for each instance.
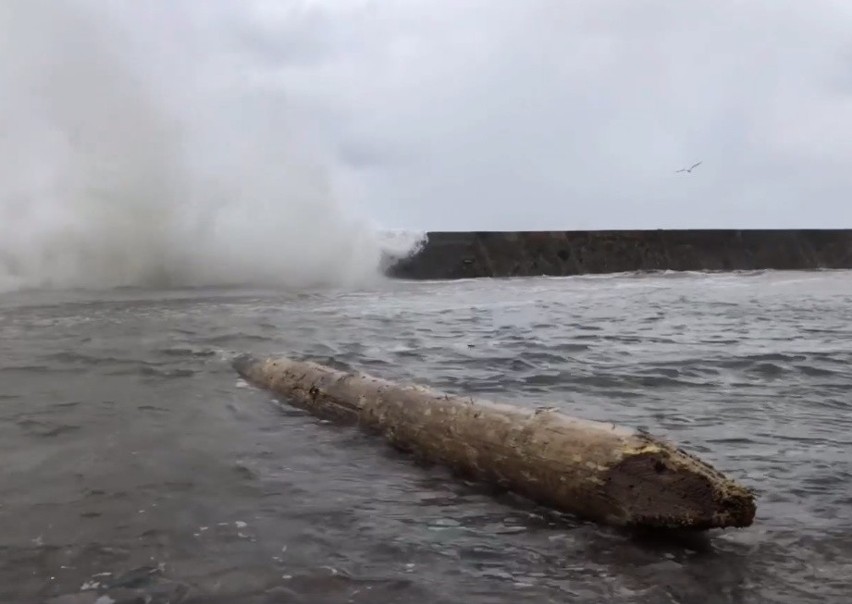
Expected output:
(689, 169)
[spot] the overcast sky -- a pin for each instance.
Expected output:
(573, 114)
(554, 114)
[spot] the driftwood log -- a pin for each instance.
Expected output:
(594, 470)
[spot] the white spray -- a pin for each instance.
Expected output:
(126, 164)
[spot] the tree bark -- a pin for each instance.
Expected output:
(594, 470)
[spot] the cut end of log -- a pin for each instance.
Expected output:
(663, 487)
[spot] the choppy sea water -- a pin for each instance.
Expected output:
(132, 455)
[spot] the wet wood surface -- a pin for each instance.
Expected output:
(595, 470)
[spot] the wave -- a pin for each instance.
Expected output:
(137, 155)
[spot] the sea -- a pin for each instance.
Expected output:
(135, 461)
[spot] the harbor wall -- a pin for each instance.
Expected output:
(460, 255)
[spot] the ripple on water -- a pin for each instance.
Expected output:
(44, 429)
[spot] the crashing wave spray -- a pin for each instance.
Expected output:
(117, 168)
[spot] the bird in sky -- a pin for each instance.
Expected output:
(689, 169)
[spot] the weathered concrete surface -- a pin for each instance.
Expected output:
(459, 255)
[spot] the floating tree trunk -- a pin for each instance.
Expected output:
(595, 470)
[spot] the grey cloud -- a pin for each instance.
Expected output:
(553, 114)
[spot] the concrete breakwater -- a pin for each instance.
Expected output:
(461, 255)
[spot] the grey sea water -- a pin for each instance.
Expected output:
(132, 455)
